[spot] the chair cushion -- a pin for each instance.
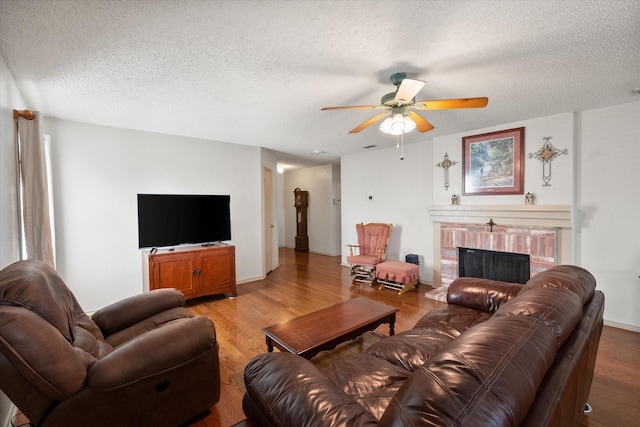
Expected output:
(372, 238)
(89, 339)
(36, 286)
(366, 260)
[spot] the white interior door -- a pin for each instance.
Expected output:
(267, 181)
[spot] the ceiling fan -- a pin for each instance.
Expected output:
(400, 107)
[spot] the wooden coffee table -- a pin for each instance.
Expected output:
(324, 329)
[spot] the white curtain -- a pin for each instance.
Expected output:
(33, 191)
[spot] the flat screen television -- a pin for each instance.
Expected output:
(175, 219)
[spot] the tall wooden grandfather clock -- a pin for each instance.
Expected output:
(301, 202)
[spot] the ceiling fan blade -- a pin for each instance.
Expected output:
(353, 107)
(368, 122)
(421, 124)
(446, 104)
(408, 90)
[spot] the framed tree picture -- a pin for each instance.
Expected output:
(493, 163)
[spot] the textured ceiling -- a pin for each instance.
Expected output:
(258, 72)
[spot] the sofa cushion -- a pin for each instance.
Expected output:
(409, 349)
(571, 277)
(560, 309)
(487, 377)
(481, 294)
(451, 320)
(291, 391)
(371, 381)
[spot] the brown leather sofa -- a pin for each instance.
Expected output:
(143, 361)
(498, 354)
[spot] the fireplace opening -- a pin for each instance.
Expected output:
(503, 266)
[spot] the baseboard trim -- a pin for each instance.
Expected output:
(619, 325)
(254, 279)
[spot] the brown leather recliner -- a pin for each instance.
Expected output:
(143, 361)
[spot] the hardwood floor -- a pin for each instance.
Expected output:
(615, 391)
(306, 282)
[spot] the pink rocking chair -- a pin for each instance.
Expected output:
(371, 250)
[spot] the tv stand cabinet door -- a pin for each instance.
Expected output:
(218, 271)
(178, 270)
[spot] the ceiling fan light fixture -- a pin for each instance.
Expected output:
(385, 126)
(409, 124)
(397, 125)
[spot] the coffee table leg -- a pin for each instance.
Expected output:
(269, 345)
(392, 323)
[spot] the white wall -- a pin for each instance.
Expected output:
(561, 130)
(322, 183)
(10, 99)
(401, 190)
(98, 172)
(599, 177)
(609, 203)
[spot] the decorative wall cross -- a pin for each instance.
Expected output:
(546, 155)
(446, 164)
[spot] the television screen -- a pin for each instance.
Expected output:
(175, 219)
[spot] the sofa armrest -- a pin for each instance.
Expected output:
(154, 352)
(129, 311)
(481, 294)
(290, 390)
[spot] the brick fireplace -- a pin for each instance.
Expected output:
(542, 232)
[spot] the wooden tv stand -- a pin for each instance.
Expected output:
(196, 271)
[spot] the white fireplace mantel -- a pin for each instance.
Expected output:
(558, 216)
